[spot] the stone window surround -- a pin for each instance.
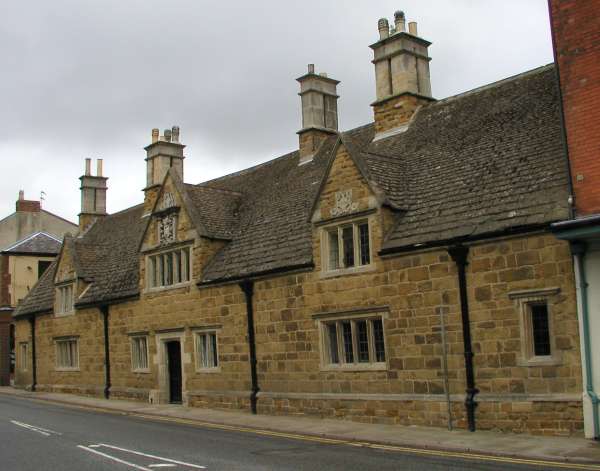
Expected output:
(523, 300)
(324, 231)
(132, 338)
(209, 329)
(23, 359)
(67, 338)
(59, 289)
(322, 319)
(160, 250)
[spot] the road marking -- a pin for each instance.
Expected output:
(162, 465)
(333, 441)
(34, 428)
(168, 460)
(114, 458)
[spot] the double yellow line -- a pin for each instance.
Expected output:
(334, 441)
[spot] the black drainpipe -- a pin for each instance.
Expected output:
(459, 254)
(247, 287)
(107, 384)
(33, 357)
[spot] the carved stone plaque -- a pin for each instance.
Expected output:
(166, 229)
(343, 203)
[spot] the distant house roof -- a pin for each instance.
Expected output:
(39, 243)
(481, 163)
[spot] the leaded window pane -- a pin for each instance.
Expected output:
(334, 251)
(363, 235)
(363, 341)
(348, 245)
(333, 343)
(347, 339)
(379, 344)
(541, 329)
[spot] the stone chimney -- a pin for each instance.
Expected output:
(163, 153)
(93, 195)
(319, 112)
(401, 74)
(27, 206)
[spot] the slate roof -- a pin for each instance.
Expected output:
(476, 164)
(38, 243)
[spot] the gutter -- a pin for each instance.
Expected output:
(289, 270)
(33, 355)
(579, 250)
(460, 253)
(105, 314)
(247, 287)
(510, 231)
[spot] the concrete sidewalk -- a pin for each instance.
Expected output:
(561, 449)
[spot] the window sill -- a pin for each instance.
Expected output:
(67, 369)
(64, 314)
(348, 271)
(355, 367)
(216, 369)
(141, 370)
(540, 361)
(160, 289)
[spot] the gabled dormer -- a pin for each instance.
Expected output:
(68, 283)
(350, 215)
(168, 242)
(186, 227)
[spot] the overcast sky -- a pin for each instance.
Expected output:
(92, 78)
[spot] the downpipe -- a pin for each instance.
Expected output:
(247, 287)
(459, 254)
(107, 383)
(33, 354)
(579, 249)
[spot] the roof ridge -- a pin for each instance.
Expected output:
(482, 88)
(247, 170)
(131, 208)
(57, 216)
(28, 238)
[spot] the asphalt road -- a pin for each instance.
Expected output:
(43, 436)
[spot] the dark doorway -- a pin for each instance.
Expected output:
(174, 364)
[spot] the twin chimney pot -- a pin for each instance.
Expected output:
(403, 85)
(401, 74)
(318, 94)
(93, 195)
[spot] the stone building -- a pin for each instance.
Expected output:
(576, 34)
(30, 239)
(402, 272)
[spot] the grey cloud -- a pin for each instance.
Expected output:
(92, 78)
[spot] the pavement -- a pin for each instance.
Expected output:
(424, 440)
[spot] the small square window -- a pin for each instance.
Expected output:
(537, 343)
(139, 353)
(207, 355)
(23, 358)
(67, 354)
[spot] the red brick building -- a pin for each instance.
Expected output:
(576, 38)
